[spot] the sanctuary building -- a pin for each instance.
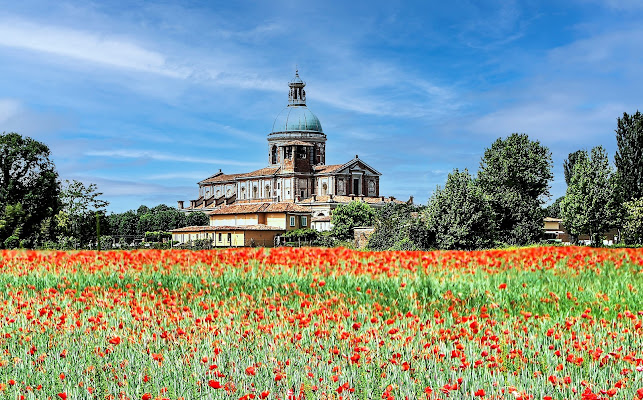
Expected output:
(296, 173)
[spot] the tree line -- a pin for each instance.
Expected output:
(504, 203)
(38, 210)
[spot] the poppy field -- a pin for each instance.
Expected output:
(311, 323)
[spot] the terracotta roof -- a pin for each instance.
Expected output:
(286, 207)
(327, 168)
(221, 178)
(325, 218)
(261, 172)
(252, 208)
(208, 228)
(297, 143)
(247, 208)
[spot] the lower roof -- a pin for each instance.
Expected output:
(208, 228)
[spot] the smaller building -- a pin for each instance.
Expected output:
(248, 224)
(555, 231)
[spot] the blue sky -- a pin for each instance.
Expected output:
(147, 98)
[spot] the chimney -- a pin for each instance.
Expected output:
(192, 203)
(314, 197)
(352, 197)
(356, 156)
(180, 202)
(410, 200)
(392, 198)
(382, 198)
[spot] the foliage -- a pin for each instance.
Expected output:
(197, 218)
(76, 219)
(347, 216)
(629, 156)
(29, 184)
(515, 174)
(553, 210)
(568, 164)
(586, 206)
(326, 239)
(157, 219)
(398, 226)
(157, 236)
(302, 234)
(633, 228)
(536, 323)
(460, 216)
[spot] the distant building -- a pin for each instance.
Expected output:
(296, 172)
(555, 231)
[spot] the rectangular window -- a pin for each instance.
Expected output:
(304, 221)
(292, 221)
(220, 238)
(230, 238)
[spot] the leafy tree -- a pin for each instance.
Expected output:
(398, 226)
(568, 165)
(80, 204)
(585, 209)
(29, 182)
(347, 216)
(553, 210)
(197, 218)
(629, 156)
(459, 215)
(515, 174)
(634, 221)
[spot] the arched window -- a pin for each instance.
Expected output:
(273, 155)
(324, 189)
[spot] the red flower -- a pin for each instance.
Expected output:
(62, 395)
(264, 394)
(146, 396)
(502, 286)
(214, 384)
(115, 340)
(250, 371)
(480, 393)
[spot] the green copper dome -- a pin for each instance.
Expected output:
(296, 119)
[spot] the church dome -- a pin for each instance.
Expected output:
(296, 119)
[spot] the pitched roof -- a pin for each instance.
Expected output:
(327, 168)
(550, 219)
(261, 172)
(253, 208)
(220, 178)
(208, 228)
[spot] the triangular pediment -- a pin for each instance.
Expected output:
(356, 165)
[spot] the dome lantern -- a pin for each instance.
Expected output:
(297, 94)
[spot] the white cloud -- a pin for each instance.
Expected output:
(86, 46)
(154, 155)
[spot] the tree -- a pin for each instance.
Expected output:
(347, 216)
(80, 204)
(28, 180)
(459, 215)
(553, 210)
(515, 174)
(398, 226)
(585, 209)
(634, 221)
(568, 165)
(629, 156)
(197, 218)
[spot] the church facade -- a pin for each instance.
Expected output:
(296, 170)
